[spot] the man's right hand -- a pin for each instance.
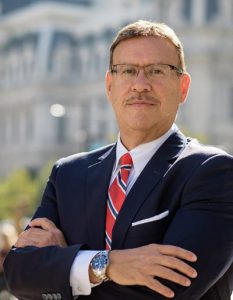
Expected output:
(145, 265)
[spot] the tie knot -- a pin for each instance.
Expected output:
(126, 161)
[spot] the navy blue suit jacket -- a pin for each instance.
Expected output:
(192, 182)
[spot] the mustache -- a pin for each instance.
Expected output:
(140, 97)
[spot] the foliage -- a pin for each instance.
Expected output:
(20, 192)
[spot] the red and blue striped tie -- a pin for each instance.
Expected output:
(116, 196)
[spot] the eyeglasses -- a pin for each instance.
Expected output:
(153, 72)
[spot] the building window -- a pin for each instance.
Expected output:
(1, 7)
(62, 61)
(212, 9)
(29, 130)
(231, 105)
(61, 130)
(15, 129)
(187, 9)
(2, 131)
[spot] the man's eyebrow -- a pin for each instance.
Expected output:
(149, 64)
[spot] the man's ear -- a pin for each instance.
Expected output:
(184, 86)
(108, 82)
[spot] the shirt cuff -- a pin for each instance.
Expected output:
(79, 273)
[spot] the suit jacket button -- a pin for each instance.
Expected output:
(58, 296)
(44, 296)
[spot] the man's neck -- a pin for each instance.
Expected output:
(132, 140)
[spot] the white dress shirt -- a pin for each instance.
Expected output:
(79, 274)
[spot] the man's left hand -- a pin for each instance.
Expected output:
(42, 232)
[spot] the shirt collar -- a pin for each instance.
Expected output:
(142, 153)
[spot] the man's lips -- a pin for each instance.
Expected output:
(140, 103)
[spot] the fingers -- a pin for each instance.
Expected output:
(171, 257)
(46, 235)
(160, 288)
(169, 274)
(28, 238)
(44, 223)
(176, 251)
(176, 264)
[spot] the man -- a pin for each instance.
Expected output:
(161, 202)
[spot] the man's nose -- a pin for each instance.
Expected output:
(141, 82)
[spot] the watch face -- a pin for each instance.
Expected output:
(99, 262)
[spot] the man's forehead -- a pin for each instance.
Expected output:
(151, 47)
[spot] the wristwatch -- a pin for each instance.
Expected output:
(99, 264)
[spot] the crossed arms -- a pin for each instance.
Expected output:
(203, 225)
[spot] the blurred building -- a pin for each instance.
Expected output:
(56, 52)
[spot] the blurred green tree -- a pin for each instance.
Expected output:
(17, 191)
(20, 192)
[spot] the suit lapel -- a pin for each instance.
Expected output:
(99, 174)
(147, 180)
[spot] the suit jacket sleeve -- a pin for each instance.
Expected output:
(204, 224)
(31, 272)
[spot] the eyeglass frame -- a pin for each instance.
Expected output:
(172, 67)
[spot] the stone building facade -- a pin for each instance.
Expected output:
(56, 52)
